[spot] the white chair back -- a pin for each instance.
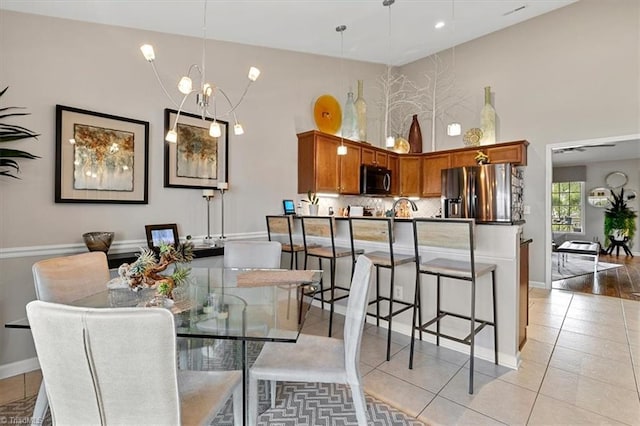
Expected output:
(252, 254)
(93, 377)
(355, 316)
(68, 278)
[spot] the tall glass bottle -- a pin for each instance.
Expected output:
(488, 120)
(415, 136)
(349, 124)
(361, 114)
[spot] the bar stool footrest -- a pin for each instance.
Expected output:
(405, 306)
(467, 340)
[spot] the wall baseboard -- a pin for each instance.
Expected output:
(19, 367)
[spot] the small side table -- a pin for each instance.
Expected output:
(617, 244)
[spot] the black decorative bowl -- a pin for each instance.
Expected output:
(98, 241)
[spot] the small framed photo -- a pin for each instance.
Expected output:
(162, 234)
(100, 158)
(197, 159)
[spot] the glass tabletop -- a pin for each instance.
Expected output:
(242, 304)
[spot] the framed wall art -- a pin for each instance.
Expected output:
(100, 158)
(196, 160)
(161, 234)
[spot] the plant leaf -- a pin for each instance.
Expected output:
(16, 153)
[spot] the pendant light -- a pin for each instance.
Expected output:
(390, 141)
(342, 149)
(453, 129)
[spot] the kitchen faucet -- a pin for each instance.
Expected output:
(414, 206)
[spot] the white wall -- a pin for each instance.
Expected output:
(568, 75)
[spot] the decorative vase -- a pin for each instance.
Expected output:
(415, 136)
(361, 114)
(313, 209)
(98, 241)
(488, 120)
(349, 123)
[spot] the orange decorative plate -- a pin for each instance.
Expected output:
(327, 114)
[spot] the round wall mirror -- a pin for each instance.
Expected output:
(616, 180)
(599, 197)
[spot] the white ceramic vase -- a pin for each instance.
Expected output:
(313, 209)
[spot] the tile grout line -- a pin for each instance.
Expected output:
(633, 365)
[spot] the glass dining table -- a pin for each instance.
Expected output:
(245, 305)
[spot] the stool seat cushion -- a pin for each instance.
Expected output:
(327, 252)
(381, 258)
(457, 268)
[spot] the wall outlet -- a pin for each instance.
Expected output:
(397, 290)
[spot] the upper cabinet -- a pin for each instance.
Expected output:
(321, 169)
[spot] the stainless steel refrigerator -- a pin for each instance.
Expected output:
(488, 193)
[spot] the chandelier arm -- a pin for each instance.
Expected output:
(175, 123)
(234, 107)
(164, 89)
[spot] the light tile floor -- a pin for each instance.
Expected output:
(580, 365)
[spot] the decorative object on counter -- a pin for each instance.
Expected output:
(100, 158)
(10, 133)
(472, 137)
(208, 195)
(619, 219)
(402, 207)
(415, 136)
(327, 114)
(222, 186)
(361, 113)
(145, 271)
(401, 146)
(161, 234)
(349, 124)
(98, 241)
(206, 95)
(481, 158)
(313, 200)
(488, 120)
(197, 159)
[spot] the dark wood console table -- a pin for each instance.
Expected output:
(117, 259)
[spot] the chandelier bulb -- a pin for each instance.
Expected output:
(172, 136)
(238, 130)
(185, 86)
(254, 73)
(147, 51)
(214, 130)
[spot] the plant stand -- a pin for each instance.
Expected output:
(613, 243)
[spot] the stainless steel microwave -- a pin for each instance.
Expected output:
(375, 180)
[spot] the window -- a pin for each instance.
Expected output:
(567, 205)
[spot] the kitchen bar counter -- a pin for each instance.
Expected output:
(494, 244)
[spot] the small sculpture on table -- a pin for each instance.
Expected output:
(145, 271)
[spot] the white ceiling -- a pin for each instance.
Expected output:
(309, 25)
(622, 150)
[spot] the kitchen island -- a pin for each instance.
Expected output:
(498, 244)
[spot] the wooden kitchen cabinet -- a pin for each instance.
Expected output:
(508, 152)
(321, 169)
(374, 156)
(409, 175)
(464, 158)
(432, 166)
(393, 164)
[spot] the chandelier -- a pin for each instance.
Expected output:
(205, 92)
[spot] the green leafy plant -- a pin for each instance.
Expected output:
(9, 133)
(619, 217)
(312, 198)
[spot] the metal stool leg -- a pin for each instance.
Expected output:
(495, 317)
(438, 311)
(390, 315)
(473, 333)
(333, 287)
(416, 307)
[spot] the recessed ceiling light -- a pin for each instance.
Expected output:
(439, 25)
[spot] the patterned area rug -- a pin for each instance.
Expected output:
(576, 265)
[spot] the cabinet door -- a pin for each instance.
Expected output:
(374, 157)
(393, 165)
(464, 158)
(516, 154)
(327, 164)
(382, 159)
(350, 169)
(432, 166)
(410, 176)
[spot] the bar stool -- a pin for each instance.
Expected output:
(279, 228)
(380, 230)
(324, 227)
(446, 235)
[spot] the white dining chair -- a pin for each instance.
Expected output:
(118, 366)
(252, 254)
(318, 358)
(62, 280)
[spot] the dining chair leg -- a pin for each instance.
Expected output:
(41, 407)
(253, 401)
(238, 415)
(272, 392)
(359, 403)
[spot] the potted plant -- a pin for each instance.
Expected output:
(619, 219)
(313, 200)
(9, 133)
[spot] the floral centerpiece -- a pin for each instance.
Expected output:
(145, 272)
